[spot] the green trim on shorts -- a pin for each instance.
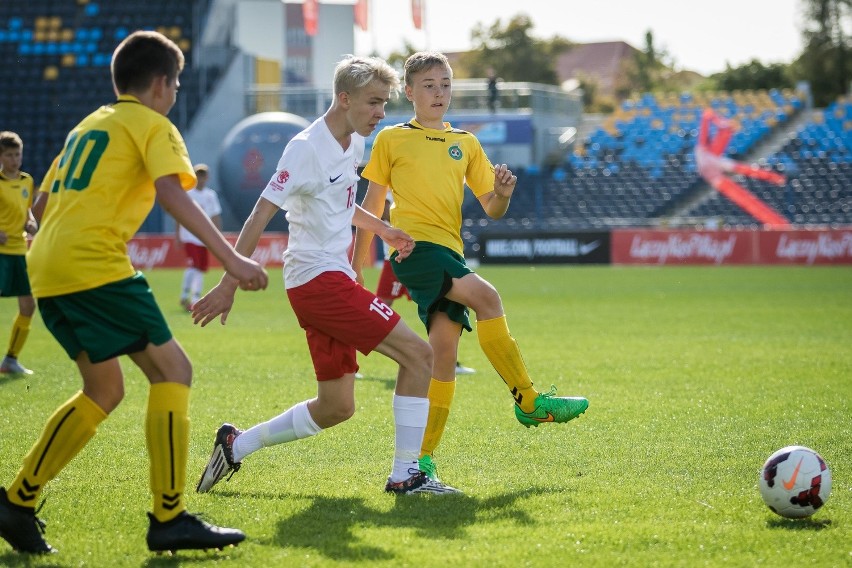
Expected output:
(114, 319)
(14, 280)
(428, 274)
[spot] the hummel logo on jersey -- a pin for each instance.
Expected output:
(334, 179)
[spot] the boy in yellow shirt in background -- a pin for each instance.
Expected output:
(16, 220)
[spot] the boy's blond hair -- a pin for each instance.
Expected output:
(354, 73)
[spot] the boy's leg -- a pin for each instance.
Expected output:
(531, 407)
(167, 437)
(18, 337)
(67, 431)
(70, 427)
(505, 356)
(171, 527)
(21, 326)
(186, 285)
(443, 337)
(197, 286)
(411, 411)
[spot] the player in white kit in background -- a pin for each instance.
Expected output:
(197, 256)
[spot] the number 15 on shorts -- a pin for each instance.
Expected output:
(381, 308)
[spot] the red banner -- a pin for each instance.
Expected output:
(362, 14)
(417, 7)
(829, 246)
(310, 14)
(805, 247)
(159, 251)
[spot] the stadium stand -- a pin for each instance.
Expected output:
(818, 164)
(60, 52)
(638, 168)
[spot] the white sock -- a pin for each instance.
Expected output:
(293, 424)
(187, 283)
(196, 285)
(409, 415)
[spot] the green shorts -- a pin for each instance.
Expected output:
(13, 276)
(428, 274)
(110, 320)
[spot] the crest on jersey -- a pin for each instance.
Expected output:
(455, 152)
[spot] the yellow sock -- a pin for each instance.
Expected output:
(503, 353)
(440, 399)
(20, 331)
(167, 436)
(66, 432)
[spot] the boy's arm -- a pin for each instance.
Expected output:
(496, 203)
(173, 199)
(373, 203)
(220, 299)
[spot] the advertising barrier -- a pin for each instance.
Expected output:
(659, 247)
(621, 246)
(159, 251)
(545, 248)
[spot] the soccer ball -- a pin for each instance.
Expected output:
(795, 481)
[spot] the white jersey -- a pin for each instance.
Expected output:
(208, 199)
(316, 184)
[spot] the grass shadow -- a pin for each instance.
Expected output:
(806, 524)
(17, 560)
(9, 378)
(328, 525)
(184, 557)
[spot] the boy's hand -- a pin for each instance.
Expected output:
(217, 301)
(249, 273)
(504, 181)
(400, 240)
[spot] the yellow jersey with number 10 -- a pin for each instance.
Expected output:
(101, 190)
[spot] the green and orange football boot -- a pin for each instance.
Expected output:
(552, 408)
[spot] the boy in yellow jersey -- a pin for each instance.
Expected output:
(113, 166)
(16, 220)
(427, 163)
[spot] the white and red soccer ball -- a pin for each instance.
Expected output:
(795, 482)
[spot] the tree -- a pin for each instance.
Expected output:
(825, 62)
(513, 53)
(650, 70)
(754, 75)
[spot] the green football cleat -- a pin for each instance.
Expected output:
(429, 467)
(551, 408)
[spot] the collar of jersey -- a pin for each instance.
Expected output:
(413, 122)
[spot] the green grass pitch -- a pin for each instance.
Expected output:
(695, 376)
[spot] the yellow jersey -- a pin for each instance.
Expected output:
(16, 199)
(101, 191)
(426, 170)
